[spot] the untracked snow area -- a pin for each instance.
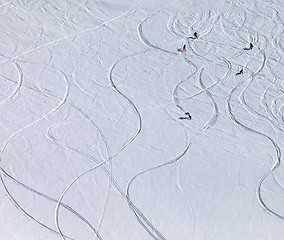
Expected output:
(95, 142)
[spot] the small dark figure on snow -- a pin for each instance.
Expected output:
(240, 72)
(250, 47)
(184, 48)
(189, 116)
(195, 35)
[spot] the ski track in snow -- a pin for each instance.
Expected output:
(70, 36)
(139, 120)
(19, 84)
(45, 117)
(233, 29)
(241, 98)
(277, 150)
(140, 217)
(214, 116)
(254, 113)
(108, 159)
(63, 100)
(146, 41)
(109, 174)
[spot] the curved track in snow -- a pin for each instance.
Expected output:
(205, 85)
(63, 100)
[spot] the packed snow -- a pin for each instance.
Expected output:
(96, 137)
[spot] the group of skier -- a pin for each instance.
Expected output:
(195, 36)
(241, 71)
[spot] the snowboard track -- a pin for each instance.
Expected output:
(176, 26)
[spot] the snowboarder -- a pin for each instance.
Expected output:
(240, 72)
(184, 48)
(195, 35)
(189, 116)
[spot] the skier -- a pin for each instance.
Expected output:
(184, 48)
(250, 46)
(189, 116)
(240, 72)
(195, 35)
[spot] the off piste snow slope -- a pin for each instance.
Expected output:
(95, 142)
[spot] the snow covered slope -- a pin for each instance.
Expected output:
(95, 142)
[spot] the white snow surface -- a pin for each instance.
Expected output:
(94, 140)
